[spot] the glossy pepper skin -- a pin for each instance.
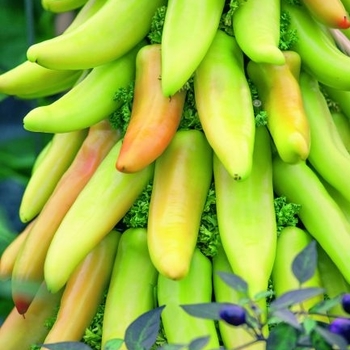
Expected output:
(100, 205)
(196, 287)
(29, 264)
(232, 337)
(84, 291)
(224, 104)
(319, 213)
(62, 150)
(332, 280)
(154, 117)
(18, 332)
(317, 51)
(328, 154)
(131, 287)
(182, 178)
(183, 42)
(246, 217)
(256, 27)
(291, 241)
(331, 13)
(279, 91)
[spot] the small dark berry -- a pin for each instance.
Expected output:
(346, 302)
(341, 326)
(233, 314)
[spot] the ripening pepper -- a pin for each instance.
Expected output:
(182, 177)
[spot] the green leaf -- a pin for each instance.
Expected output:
(282, 337)
(325, 305)
(319, 342)
(66, 345)
(295, 296)
(305, 263)
(234, 281)
(288, 317)
(114, 344)
(332, 338)
(205, 310)
(309, 325)
(172, 347)
(142, 333)
(199, 343)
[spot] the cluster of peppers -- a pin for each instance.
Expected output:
(90, 173)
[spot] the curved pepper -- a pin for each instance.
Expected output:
(246, 217)
(331, 13)
(291, 241)
(181, 182)
(328, 154)
(225, 106)
(280, 94)
(101, 204)
(84, 291)
(183, 42)
(29, 265)
(154, 117)
(318, 53)
(256, 27)
(62, 150)
(319, 213)
(196, 287)
(131, 287)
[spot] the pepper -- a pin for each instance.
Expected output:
(328, 154)
(256, 27)
(84, 291)
(232, 337)
(154, 117)
(246, 217)
(183, 42)
(101, 204)
(341, 97)
(342, 124)
(224, 104)
(63, 148)
(196, 287)
(332, 281)
(319, 213)
(131, 288)
(182, 177)
(279, 91)
(18, 332)
(331, 13)
(9, 255)
(291, 241)
(29, 264)
(317, 51)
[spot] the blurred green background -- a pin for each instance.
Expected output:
(22, 22)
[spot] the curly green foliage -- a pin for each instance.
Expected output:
(137, 216)
(208, 239)
(226, 18)
(286, 213)
(260, 114)
(120, 118)
(155, 33)
(288, 35)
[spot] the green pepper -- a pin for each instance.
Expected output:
(196, 287)
(183, 42)
(225, 106)
(319, 213)
(280, 94)
(291, 241)
(182, 177)
(246, 217)
(320, 56)
(131, 288)
(232, 337)
(328, 154)
(256, 27)
(101, 204)
(341, 97)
